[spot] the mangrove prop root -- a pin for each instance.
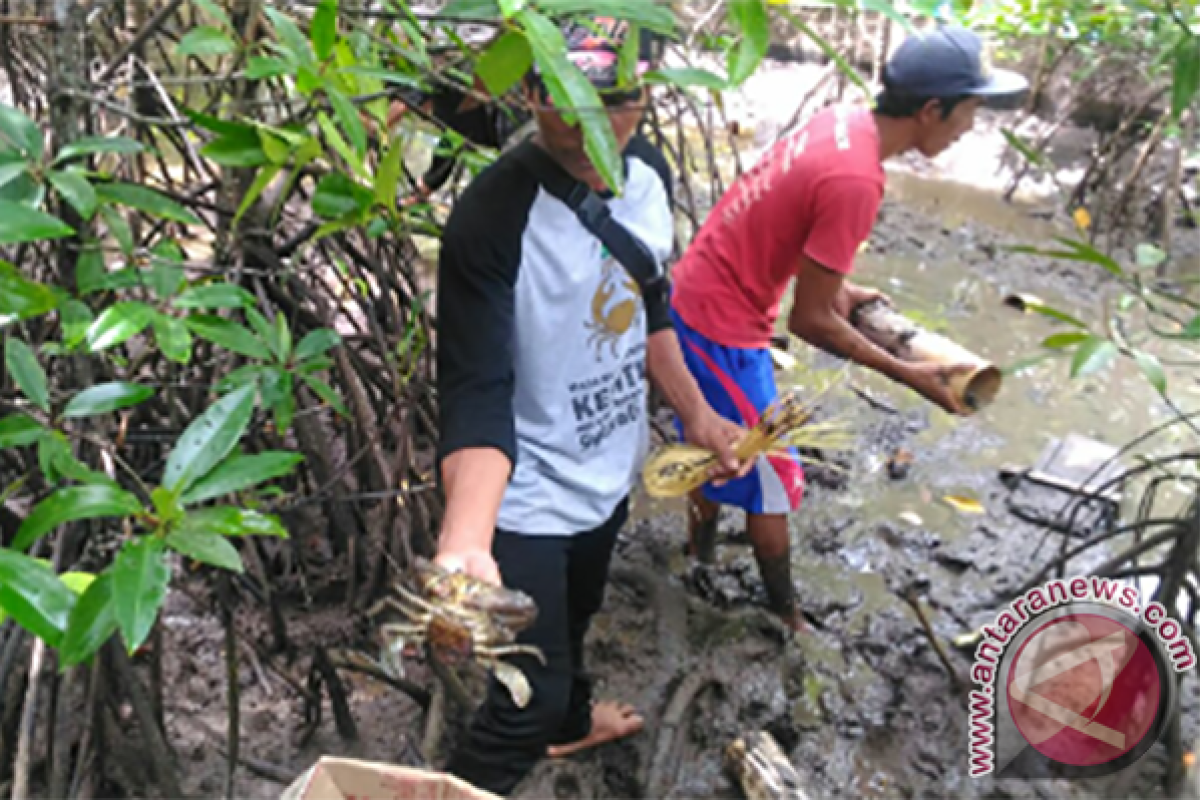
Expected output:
(914, 602)
(153, 737)
(342, 718)
(664, 767)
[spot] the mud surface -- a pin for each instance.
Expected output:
(861, 704)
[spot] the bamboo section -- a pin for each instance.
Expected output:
(763, 769)
(904, 339)
(677, 469)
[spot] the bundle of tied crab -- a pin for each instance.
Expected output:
(674, 470)
(460, 618)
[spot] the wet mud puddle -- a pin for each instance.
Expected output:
(862, 704)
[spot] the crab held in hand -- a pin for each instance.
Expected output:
(461, 618)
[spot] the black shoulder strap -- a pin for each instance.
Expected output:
(594, 215)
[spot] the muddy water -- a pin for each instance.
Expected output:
(868, 711)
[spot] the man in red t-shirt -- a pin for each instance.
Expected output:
(802, 213)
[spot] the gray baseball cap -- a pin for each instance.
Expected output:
(949, 62)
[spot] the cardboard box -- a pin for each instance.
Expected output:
(347, 779)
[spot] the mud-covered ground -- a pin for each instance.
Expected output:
(861, 704)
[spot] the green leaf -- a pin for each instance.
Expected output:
(1027, 151)
(350, 120)
(33, 595)
(1092, 356)
(240, 472)
(387, 178)
(91, 623)
(241, 149)
(262, 180)
(1149, 256)
(118, 323)
(173, 338)
(687, 77)
(214, 295)
(281, 340)
(323, 30)
(1185, 74)
(21, 297)
(209, 439)
(21, 132)
(58, 463)
(19, 430)
(28, 374)
(327, 394)
(75, 189)
(206, 547)
(317, 342)
(107, 397)
(223, 127)
(1054, 313)
(147, 201)
(655, 16)
(77, 582)
(90, 145)
(505, 62)
(76, 318)
(214, 11)
(338, 195)
(230, 521)
(205, 41)
(749, 17)
(20, 223)
(139, 587)
(572, 92)
(510, 7)
(166, 276)
(284, 408)
(1152, 369)
(1081, 251)
(471, 9)
(1061, 340)
(119, 228)
(9, 172)
(1192, 329)
(74, 503)
(229, 335)
(290, 37)
(338, 143)
(246, 375)
(845, 67)
(262, 67)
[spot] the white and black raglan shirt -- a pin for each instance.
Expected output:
(541, 349)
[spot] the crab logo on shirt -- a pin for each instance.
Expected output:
(614, 308)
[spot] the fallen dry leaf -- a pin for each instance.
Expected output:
(1083, 220)
(964, 505)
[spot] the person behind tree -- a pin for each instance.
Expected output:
(801, 214)
(544, 342)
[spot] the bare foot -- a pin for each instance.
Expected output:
(610, 721)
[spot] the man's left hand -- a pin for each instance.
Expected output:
(713, 432)
(852, 296)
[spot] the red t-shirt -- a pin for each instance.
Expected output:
(816, 192)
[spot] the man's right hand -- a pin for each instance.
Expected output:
(932, 381)
(476, 562)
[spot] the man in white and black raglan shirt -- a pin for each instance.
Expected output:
(544, 343)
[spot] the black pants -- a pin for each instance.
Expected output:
(565, 576)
